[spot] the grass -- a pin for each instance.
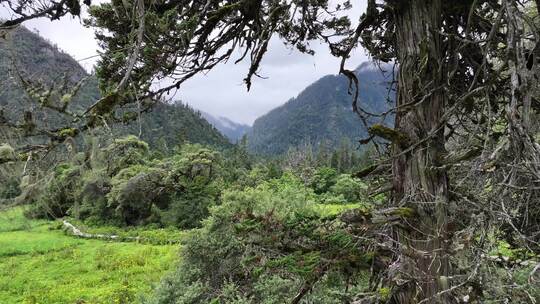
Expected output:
(41, 264)
(147, 235)
(336, 209)
(13, 220)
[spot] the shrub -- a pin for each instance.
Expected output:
(323, 179)
(125, 152)
(186, 210)
(259, 246)
(193, 182)
(176, 191)
(263, 172)
(92, 197)
(10, 188)
(333, 199)
(59, 194)
(134, 191)
(352, 189)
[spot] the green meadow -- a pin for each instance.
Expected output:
(40, 263)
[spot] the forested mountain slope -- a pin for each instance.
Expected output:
(322, 112)
(232, 130)
(37, 59)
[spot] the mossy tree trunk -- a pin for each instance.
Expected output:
(419, 180)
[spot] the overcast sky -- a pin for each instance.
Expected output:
(221, 92)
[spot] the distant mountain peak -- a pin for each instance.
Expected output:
(371, 66)
(322, 112)
(232, 130)
(367, 66)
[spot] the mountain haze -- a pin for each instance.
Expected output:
(322, 112)
(36, 58)
(232, 130)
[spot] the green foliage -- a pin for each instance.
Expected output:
(133, 193)
(91, 203)
(59, 194)
(259, 246)
(193, 175)
(10, 188)
(350, 188)
(260, 173)
(125, 187)
(514, 285)
(323, 179)
(124, 152)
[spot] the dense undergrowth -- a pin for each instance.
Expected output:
(129, 191)
(250, 231)
(262, 245)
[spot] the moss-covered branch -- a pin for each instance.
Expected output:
(389, 134)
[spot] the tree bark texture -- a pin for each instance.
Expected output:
(421, 269)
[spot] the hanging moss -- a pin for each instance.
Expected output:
(389, 134)
(66, 98)
(67, 132)
(7, 152)
(385, 293)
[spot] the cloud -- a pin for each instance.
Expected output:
(287, 72)
(221, 92)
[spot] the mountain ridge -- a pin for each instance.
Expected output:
(322, 112)
(234, 131)
(38, 58)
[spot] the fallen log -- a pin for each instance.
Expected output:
(70, 228)
(74, 231)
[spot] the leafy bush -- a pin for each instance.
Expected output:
(133, 193)
(92, 201)
(130, 189)
(333, 199)
(124, 152)
(352, 189)
(323, 179)
(260, 246)
(59, 194)
(10, 188)
(259, 173)
(193, 182)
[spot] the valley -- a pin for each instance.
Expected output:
(404, 167)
